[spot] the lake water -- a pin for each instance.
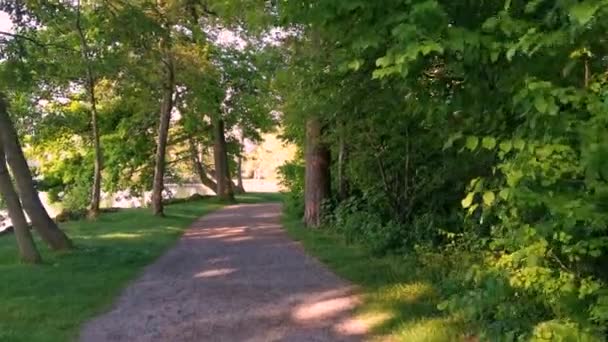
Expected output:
(123, 199)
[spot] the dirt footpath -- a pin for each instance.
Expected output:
(234, 276)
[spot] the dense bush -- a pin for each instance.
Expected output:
(473, 131)
(292, 178)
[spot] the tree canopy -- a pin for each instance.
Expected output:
(472, 130)
(464, 127)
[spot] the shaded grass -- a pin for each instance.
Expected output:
(400, 293)
(260, 197)
(49, 302)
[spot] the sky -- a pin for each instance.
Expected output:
(5, 22)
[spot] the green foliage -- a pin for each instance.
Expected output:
(114, 248)
(124, 54)
(400, 293)
(292, 178)
(479, 126)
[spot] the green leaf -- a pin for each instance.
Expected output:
(450, 142)
(489, 198)
(472, 143)
(443, 305)
(584, 11)
(519, 144)
(511, 53)
(540, 103)
(473, 208)
(514, 177)
(506, 146)
(504, 194)
(488, 143)
(355, 65)
(467, 201)
(384, 61)
(544, 151)
(477, 184)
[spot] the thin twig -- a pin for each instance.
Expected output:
(19, 36)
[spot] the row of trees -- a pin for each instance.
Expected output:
(101, 93)
(476, 129)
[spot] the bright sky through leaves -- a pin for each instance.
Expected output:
(5, 22)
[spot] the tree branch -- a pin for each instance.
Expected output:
(19, 36)
(34, 41)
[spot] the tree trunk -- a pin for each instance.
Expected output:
(342, 157)
(239, 174)
(240, 189)
(90, 86)
(197, 164)
(96, 189)
(25, 243)
(163, 133)
(222, 174)
(317, 178)
(228, 177)
(30, 201)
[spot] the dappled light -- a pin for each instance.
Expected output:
(235, 276)
(120, 236)
(215, 273)
(408, 292)
(325, 306)
(112, 250)
(387, 170)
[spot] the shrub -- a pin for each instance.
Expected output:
(291, 177)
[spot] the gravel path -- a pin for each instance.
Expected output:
(234, 276)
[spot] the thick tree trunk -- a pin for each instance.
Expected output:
(30, 201)
(197, 164)
(222, 175)
(25, 243)
(90, 86)
(317, 178)
(163, 133)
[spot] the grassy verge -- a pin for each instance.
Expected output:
(49, 302)
(400, 293)
(260, 197)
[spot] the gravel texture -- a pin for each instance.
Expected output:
(233, 276)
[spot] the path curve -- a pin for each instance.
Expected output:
(234, 276)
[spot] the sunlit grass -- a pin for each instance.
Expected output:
(49, 302)
(121, 236)
(400, 296)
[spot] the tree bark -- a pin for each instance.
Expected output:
(163, 133)
(98, 152)
(25, 243)
(342, 158)
(224, 191)
(317, 177)
(240, 189)
(30, 201)
(197, 164)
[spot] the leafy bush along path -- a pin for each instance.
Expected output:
(400, 294)
(50, 302)
(233, 276)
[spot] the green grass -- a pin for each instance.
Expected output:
(400, 294)
(49, 302)
(259, 197)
